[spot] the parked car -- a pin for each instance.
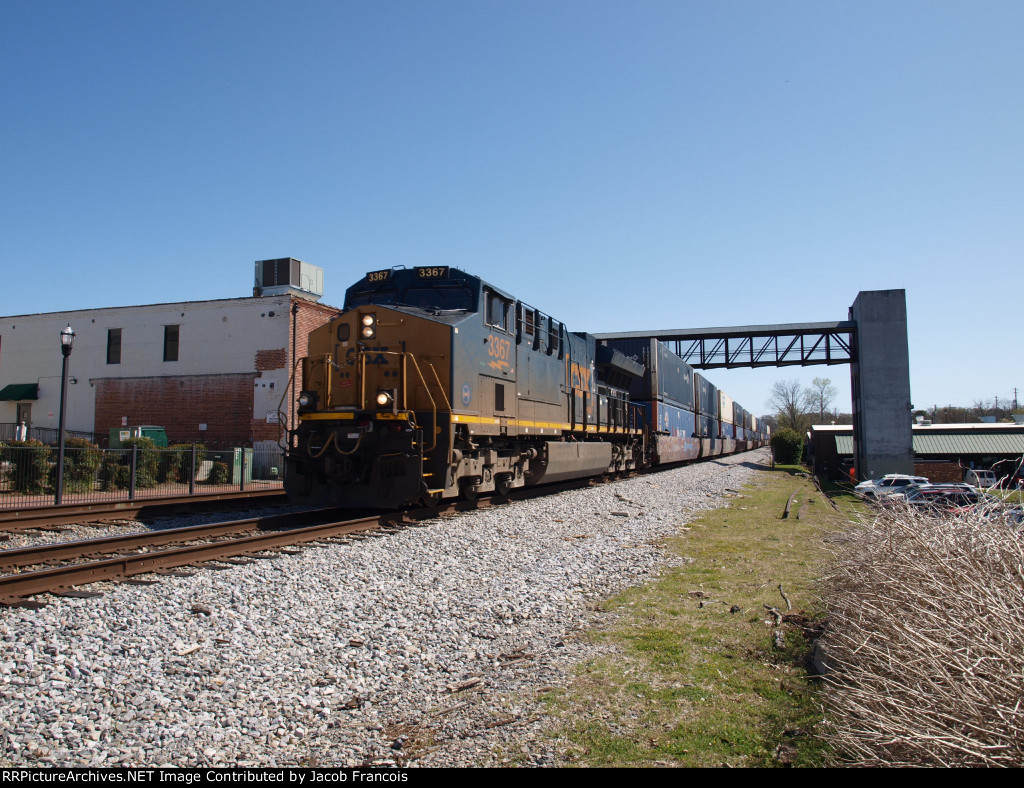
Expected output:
(900, 495)
(887, 485)
(992, 509)
(980, 478)
(945, 497)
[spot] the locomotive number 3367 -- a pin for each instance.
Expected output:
(498, 348)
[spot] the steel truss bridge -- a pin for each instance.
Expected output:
(784, 345)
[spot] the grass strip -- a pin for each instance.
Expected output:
(695, 675)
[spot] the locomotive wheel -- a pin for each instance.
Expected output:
(503, 484)
(469, 493)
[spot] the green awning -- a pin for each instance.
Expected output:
(19, 391)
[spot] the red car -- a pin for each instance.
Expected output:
(942, 496)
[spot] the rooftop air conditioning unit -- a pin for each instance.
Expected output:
(288, 276)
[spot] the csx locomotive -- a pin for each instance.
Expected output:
(433, 384)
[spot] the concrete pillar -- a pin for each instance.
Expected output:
(882, 438)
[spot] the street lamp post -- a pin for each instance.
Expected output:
(67, 339)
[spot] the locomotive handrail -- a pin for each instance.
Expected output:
(447, 402)
(426, 388)
(404, 355)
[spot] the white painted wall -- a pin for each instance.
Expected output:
(215, 337)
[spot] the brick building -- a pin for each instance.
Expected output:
(216, 372)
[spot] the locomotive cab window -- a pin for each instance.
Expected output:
(497, 310)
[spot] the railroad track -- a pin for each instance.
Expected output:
(234, 542)
(52, 516)
(123, 557)
(238, 541)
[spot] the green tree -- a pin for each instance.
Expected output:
(788, 446)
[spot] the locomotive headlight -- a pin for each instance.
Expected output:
(369, 330)
(386, 400)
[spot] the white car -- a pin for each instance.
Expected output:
(979, 478)
(887, 485)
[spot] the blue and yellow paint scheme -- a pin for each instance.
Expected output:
(434, 384)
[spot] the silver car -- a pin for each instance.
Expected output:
(890, 483)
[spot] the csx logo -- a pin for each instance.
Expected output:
(579, 376)
(370, 358)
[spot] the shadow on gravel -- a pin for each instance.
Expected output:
(754, 466)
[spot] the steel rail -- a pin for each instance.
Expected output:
(13, 588)
(34, 517)
(84, 548)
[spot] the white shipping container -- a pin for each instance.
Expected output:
(725, 403)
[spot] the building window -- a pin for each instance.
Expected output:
(171, 343)
(113, 346)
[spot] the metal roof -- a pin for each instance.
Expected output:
(975, 443)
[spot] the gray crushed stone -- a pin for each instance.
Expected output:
(430, 646)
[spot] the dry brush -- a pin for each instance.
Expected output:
(925, 641)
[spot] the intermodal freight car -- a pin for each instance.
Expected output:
(433, 384)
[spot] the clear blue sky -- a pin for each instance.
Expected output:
(621, 165)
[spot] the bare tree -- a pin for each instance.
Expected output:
(819, 397)
(787, 400)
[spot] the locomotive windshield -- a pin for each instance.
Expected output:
(453, 295)
(383, 295)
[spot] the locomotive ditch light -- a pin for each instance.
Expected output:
(369, 329)
(386, 400)
(307, 400)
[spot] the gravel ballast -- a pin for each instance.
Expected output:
(428, 646)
